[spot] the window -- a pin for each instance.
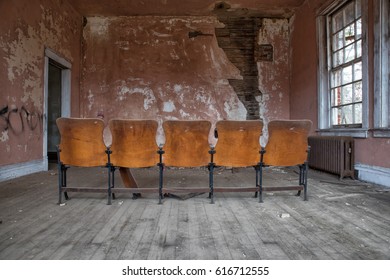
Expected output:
(343, 70)
(381, 69)
(345, 73)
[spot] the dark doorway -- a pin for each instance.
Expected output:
(54, 109)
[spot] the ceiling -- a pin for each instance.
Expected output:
(106, 8)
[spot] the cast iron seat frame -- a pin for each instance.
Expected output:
(81, 145)
(287, 146)
(133, 146)
(238, 146)
(186, 146)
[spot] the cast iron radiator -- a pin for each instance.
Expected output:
(333, 154)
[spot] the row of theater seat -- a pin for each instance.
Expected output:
(186, 145)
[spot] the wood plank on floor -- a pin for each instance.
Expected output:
(344, 221)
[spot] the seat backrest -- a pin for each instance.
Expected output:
(186, 143)
(287, 142)
(238, 143)
(82, 142)
(133, 143)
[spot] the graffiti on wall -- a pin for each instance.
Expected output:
(18, 120)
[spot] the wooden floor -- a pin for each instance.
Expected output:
(342, 219)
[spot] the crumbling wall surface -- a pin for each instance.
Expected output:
(26, 28)
(274, 81)
(158, 68)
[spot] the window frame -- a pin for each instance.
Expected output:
(324, 104)
(381, 69)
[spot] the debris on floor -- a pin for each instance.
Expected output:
(284, 215)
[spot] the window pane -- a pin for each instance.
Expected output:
(349, 53)
(358, 8)
(357, 71)
(359, 29)
(349, 13)
(359, 48)
(338, 58)
(337, 22)
(336, 116)
(336, 97)
(338, 41)
(346, 96)
(336, 78)
(347, 75)
(349, 34)
(342, 115)
(347, 115)
(358, 113)
(333, 97)
(358, 92)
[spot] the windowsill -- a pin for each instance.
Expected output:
(353, 132)
(381, 132)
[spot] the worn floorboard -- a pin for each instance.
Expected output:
(344, 219)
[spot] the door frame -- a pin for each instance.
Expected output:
(66, 67)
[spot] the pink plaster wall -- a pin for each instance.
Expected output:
(303, 95)
(274, 78)
(304, 62)
(373, 151)
(149, 68)
(26, 28)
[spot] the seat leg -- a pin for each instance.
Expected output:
(64, 184)
(305, 181)
(113, 182)
(211, 182)
(110, 183)
(61, 175)
(257, 181)
(260, 178)
(301, 181)
(160, 187)
(60, 180)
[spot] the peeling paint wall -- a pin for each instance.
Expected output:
(26, 28)
(274, 75)
(238, 39)
(150, 68)
(274, 82)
